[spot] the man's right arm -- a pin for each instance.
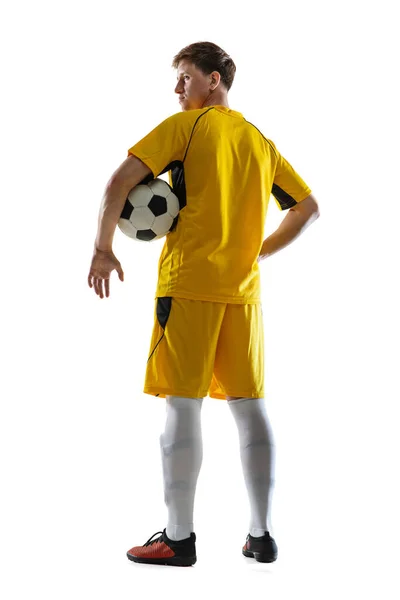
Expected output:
(296, 221)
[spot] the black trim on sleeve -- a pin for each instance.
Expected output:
(262, 136)
(285, 200)
(194, 127)
(178, 171)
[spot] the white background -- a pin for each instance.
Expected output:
(80, 461)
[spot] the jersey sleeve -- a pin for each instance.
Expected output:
(164, 144)
(288, 187)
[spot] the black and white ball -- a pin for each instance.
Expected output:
(150, 212)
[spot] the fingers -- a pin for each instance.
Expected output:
(98, 275)
(97, 284)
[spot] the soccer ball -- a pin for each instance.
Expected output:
(151, 211)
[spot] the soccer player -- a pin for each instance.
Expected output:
(208, 326)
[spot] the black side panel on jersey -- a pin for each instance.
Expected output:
(178, 171)
(284, 199)
(178, 181)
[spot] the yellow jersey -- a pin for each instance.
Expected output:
(223, 171)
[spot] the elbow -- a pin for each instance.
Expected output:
(313, 207)
(314, 215)
(310, 208)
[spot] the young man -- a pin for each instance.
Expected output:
(208, 327)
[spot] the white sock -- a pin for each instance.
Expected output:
(257, 453)
(182, 454)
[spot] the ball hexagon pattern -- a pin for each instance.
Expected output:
(151, 211)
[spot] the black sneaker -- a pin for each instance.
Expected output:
(263, 549)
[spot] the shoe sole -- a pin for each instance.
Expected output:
(175, 561)
(259, 556)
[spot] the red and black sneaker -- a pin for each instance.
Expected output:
(263, 549)
(163, 551)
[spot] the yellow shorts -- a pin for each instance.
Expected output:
(206, 348)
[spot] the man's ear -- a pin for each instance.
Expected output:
(215, 79)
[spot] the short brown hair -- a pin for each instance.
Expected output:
(208, 57)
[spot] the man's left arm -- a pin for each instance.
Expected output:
(131, 172)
